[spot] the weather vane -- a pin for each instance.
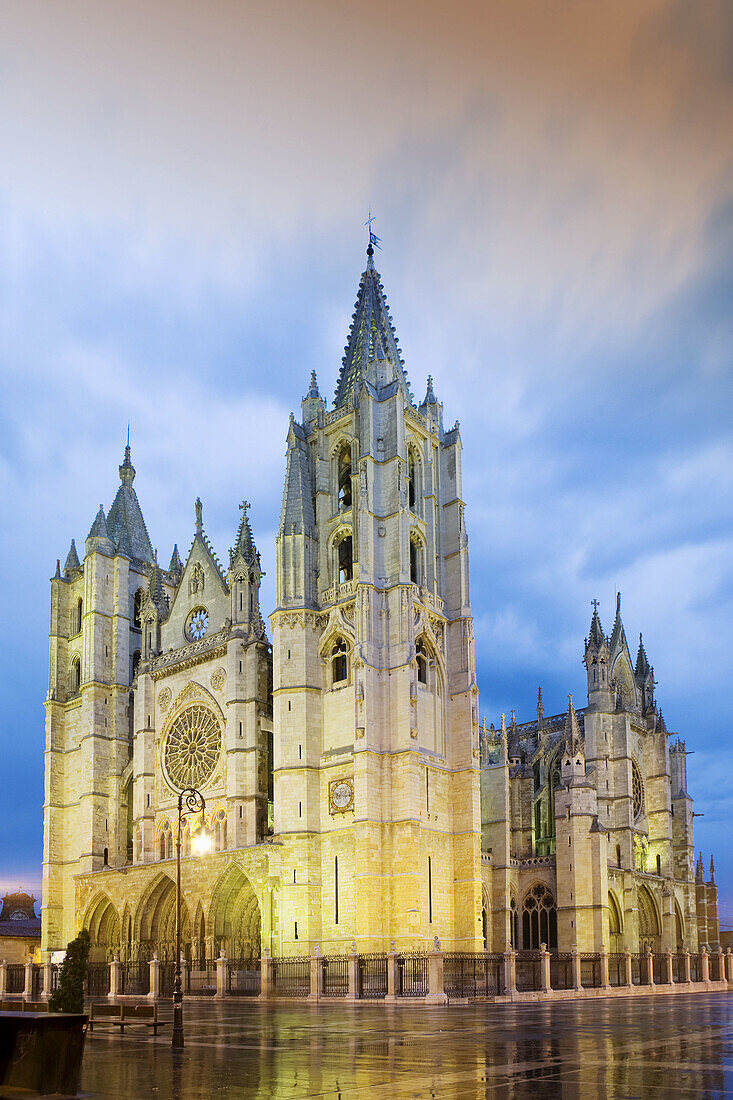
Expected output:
(374, 240)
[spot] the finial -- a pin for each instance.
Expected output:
(374, 240)
(430, 398)
(618, 603)
(127, 470)
(57, 574)
(244, 506)
(199, 521)
(594, 605)
(540, 704)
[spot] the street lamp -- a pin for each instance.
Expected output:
(190, 801)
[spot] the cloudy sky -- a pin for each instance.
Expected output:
(182, 202)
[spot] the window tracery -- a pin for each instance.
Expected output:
(192, 748)
(539, 918)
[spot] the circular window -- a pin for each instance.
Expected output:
(197, 624)
(637, 790)
(192, 748)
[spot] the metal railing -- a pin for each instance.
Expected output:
(372, 975)
(473, 975)
(97, 983)
(590, 971)
(412, 975)
(561, 970)
(291, 976)
(695, 968)
(202, 978)
(335, 969)
(242, 979)
(529, 971)
(135, 978)
(15, 980)
(617, 969)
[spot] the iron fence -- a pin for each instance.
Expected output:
(291, 976)
(335, 970)
(412, 975)
(637, 970)
(678, 968)
(97, 979)
(561, 970)
(15, 979)
(529, 971)
(167, 974)
(590, 971)
(135, 978)
(242, 980)
(659, 969)
(202, 979)
(372, 975)
(473, 975)
(715, 967)
(695, 968)
(617, 969)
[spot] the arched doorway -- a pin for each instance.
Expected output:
(156, 923)
(234, 918)
(649, 930)
(103, 923)
(615, 925)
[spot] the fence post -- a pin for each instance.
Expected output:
(3, 978)
(154, 964)
(627, 967)
(28, 984)
(114, 978)
(265, 975)
(436, 990)
(670, 971)
(392, 976)
(510, 970)
(545, 968)
(605, 977)
(47, 990)
(705, 963)
(353, 971)
(575, 957)
(221, 974)
(649, 965)
(686, 961)
(721, 964)
(316, 974)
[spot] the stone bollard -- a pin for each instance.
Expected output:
(393, 977)
(115, 978)
(705, 964)
(316, 975)
(545, 968)
(628, 972)
(575, 959)
(47, 990)
(436, 990)
(222, 974)
(266, 975)
(649, 958)
(154, 964)
(353, 971)
(28, 984)
(510, 970)
(670, 969)
(3, 978)
(686, 964)
(605, 976)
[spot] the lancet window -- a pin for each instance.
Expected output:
(75, 677)
(137, 604)
(344, 477)
(345, 550)
(539, 919)
(165, 841)
(422, 659)
(220, 830)
(78, 615)
(339, 662)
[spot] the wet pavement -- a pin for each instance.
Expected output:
(679, 1046)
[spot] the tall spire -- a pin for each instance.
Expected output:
(573, 736)
(72, 559)
(297, 515)
(371, 336)
(596, 636)
(125, 521)
(244, 546)
(176, 566)
(618, 637)
(643, 667)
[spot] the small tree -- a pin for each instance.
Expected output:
(69, 995)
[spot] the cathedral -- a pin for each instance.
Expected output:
(352, 791)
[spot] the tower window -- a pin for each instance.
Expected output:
(339, 662)
(78, 614)
(344, 477)
(137, 605)
(345, 559)
(422, 662)
(411, 479)
(415, 562)
(75, 677)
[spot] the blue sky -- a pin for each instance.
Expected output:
(181, 240)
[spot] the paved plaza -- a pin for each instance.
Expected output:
(621, 1048)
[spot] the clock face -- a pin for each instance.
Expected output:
(198, 624)
(342, 795)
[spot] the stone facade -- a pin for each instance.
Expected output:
(351, 793)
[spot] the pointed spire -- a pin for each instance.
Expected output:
(176, 566)
(712, 872)
(540, 707)
(57, 574)
(573, 737)
(699, 869)
(72, 559)
(313, 391)
(127, 470)
(297, 515)
(371, 337)
(596, 636)
(430, 398)
(155, 584)
(514, 750)
(643, 667)
(99, 527)
(244, 546)
(125, 522)
(618, 637)
(199, 516)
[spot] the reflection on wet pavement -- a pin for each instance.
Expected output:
(650, 1047)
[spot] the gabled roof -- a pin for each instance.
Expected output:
(125, 521)
(371, 336)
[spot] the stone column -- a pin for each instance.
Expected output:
(728, 965)
(721, 965)
(627, 967)
(222, 973)
(154, 964)
(47, 990)
(510, 970)
(605, 977)
(577, 983)
(316, 975)
(436, 991)
(705, 964)
(28, 989)
(115, 976)
(649, 959)
(266, 975)
(353, 970)
(545, 967)
(393, 978)
(3, 978)
(670, 970)
(686, 964)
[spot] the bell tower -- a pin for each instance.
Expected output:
(375, 699)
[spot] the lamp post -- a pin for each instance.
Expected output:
(190, 801)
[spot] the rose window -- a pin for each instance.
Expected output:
(198, 624)
(192, 748)
(637, 790)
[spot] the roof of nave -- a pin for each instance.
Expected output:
(125, 522)
(371, 336)
(524, 737)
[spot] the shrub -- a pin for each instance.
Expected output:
(69, 996)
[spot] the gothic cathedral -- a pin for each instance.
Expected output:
(352, 794)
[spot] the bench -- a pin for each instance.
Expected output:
(121, 1015)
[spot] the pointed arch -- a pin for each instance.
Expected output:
(679, 927)
(615, 923)
(234, 916)
(103, 923)
(649, 923)
(539, 918)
